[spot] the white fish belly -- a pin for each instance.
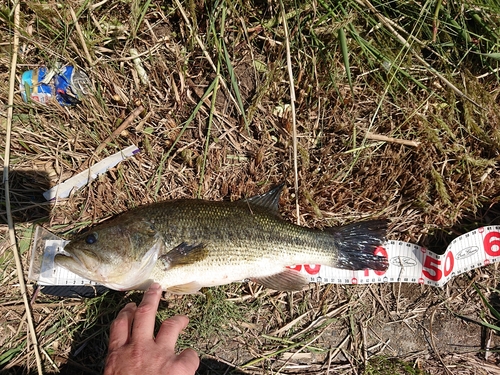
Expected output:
(215, 275)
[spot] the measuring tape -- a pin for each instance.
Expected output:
(408, 263)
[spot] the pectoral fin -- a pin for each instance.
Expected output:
(189, 288)
(184, 254)
(289, 280)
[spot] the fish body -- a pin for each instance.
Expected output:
(188, 244)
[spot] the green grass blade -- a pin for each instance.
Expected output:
(484, 324)
(209, 128)
(493, 311)
(345, 57)
(234, 84)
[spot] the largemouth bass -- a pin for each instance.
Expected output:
(188, 244)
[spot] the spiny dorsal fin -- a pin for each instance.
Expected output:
(269, 200)
(184, 254)
(289, 280)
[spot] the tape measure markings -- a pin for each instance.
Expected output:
(408, 262)
(415, 264)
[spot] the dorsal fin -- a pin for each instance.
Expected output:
(269, 200)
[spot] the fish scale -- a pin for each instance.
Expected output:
(189, 244)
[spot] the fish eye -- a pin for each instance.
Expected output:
(91, 238)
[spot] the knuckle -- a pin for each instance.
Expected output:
(188, 359)
(119, 322)
(145, 309)
(168, 324)
(191, 354)
(175, 322)
(136, 353)
(186, 366)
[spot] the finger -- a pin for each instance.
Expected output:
(170, 330)
(144, 320)
(121, 326)
(189, 360)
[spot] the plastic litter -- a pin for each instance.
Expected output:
(67, 84)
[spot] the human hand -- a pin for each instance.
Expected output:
(134, 350)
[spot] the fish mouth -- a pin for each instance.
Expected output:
(70, 261)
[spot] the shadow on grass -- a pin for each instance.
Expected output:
(440, 239)
(207, 367)
(26, 196)
(89, 342)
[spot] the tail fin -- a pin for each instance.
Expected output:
(357, 243)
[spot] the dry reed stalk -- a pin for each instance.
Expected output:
(384, 138)
(10, 222)
(124, 125)
(80, 35)
(294, 116)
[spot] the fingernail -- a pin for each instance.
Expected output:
(130, 306)
(154, 286)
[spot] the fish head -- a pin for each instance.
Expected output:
(119, 255)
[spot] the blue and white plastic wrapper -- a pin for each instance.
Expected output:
(71, 85)
(408, 263)
(67, 84)
(32, 81)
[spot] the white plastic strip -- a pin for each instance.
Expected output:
(64, 189)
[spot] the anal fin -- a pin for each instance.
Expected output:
(288, 280)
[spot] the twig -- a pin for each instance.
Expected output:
(362, 330)
(80, 35)
(305, 346)
(433, 344)
(10, 222)
(380, 137)
(431, 321)
(95, 6)
(124, 125)
(292, 105)
(150, 51)
(333, 352)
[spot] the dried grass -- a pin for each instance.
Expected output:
(399, 144)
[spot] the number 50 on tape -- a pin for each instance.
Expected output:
(412, 263)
